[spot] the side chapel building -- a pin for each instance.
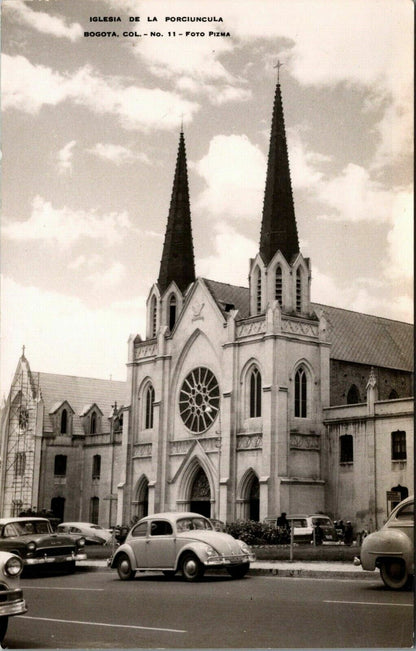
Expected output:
(240, 403)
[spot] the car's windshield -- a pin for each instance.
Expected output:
(186, 524)
(27, 528)
(321, 521)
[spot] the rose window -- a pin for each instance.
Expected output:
(199, 399)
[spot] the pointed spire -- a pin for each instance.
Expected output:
(278, 228)
(178, 253)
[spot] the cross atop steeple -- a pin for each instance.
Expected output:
(278, 66)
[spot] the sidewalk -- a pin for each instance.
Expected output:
(295, 569)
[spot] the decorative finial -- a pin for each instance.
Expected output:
(278, 66)
(23, 350)
(182, 123)
(372, 380)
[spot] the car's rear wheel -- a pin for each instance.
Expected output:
(192, 568)
(394, 574)
(124, 568)
(3, 627)
(239, 571)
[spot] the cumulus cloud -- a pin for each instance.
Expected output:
(41, 21)
(230, 260)
(64, 226)
(118, 154)
(108, 278)
(234, 173)
(400, 238)
(64, 157)
(28, 87)
(77, 331)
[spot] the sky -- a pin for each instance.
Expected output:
(90, 132)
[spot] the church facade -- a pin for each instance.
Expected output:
(230, 389)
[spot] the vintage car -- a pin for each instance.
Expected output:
(304, 526)
(11, 595)
(93, 533)
(391, 549)
(34, 540)
(185, 542)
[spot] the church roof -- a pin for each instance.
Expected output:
(79, 391)
(278, 227)
(177, 261)
(355, 337)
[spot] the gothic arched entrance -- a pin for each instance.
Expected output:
(200, 499)
(142, 499)
(254, 499)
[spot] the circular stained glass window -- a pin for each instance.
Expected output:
(199, 399)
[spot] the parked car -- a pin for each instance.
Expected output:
(304, 526)
(218, 525)
(93, 533)
(391, 549)
(185, 542)
(11, 595)
(34, 540)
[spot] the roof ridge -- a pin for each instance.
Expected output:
(374, 316)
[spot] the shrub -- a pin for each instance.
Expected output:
(257, 533)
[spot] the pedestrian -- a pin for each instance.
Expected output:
(348, 534)
(282, 521)
(318, 534)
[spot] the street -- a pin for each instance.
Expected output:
(97, 610)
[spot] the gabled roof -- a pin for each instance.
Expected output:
(78, 392)
(355, 337)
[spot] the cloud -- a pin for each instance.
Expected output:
(28, 87)
(58, 329)
(65, 157)
(108, 278)
(400, 238)
(90, 261)
(230, 260)
(41, 21)
(118, 154)
(64, 226)
(234, 171)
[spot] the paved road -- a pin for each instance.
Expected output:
(96, 610)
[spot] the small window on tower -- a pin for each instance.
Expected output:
(172, 311)
(153, 313)
(258, 291)
(298, 290)
(279, 286)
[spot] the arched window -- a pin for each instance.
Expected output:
(64, 421)
(96, 466)
(278, 294)
(172, 311)
(93, 424)
(346, 448)
(149, 398)
(393, 395)
(257, 277)
(300, 393)
(298, 290)
(94, 509)
(255, 393)
(153, 316)
(353, 395)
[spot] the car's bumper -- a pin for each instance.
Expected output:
(46, 560)
(219, 561)
(12, 603)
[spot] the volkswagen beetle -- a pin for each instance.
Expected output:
(185, 542)
(391, 549)
(11, 596)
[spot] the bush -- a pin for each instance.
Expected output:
(257, 533)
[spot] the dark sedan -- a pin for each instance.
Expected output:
(34, 540)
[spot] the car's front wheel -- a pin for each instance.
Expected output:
(192, 568)
(394, 574)
(124, 568)
(3, 627)
(239, 571)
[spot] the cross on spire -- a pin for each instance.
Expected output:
(278, 66)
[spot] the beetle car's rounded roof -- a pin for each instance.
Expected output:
(174, 515)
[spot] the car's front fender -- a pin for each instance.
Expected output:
(386, 543)
(123, 549)
(200, 549)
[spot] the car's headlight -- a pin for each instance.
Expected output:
(210, 551)
(81, 542)
(31, 546)
(13, 566)
(244, 548)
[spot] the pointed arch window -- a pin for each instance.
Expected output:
(301, 387)
(393, 395)
(278, 294)
(96, 466)
(64, 422)
(93, 424)
(149, 398)
(255, 393)
(153, 316)
(353, 395)
(172, 311)
(258, 290)
(298, 290)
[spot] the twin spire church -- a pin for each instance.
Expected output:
(240, 403)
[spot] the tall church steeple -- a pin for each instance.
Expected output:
(177, 262)
(278, 228)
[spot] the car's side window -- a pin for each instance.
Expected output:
(9, 531)
(160, 528)
(140, 531)
(406, 513)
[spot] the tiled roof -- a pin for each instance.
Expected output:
(355, 337)
(78, 392)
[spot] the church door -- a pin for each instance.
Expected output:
(254, 500)
(200, 501)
